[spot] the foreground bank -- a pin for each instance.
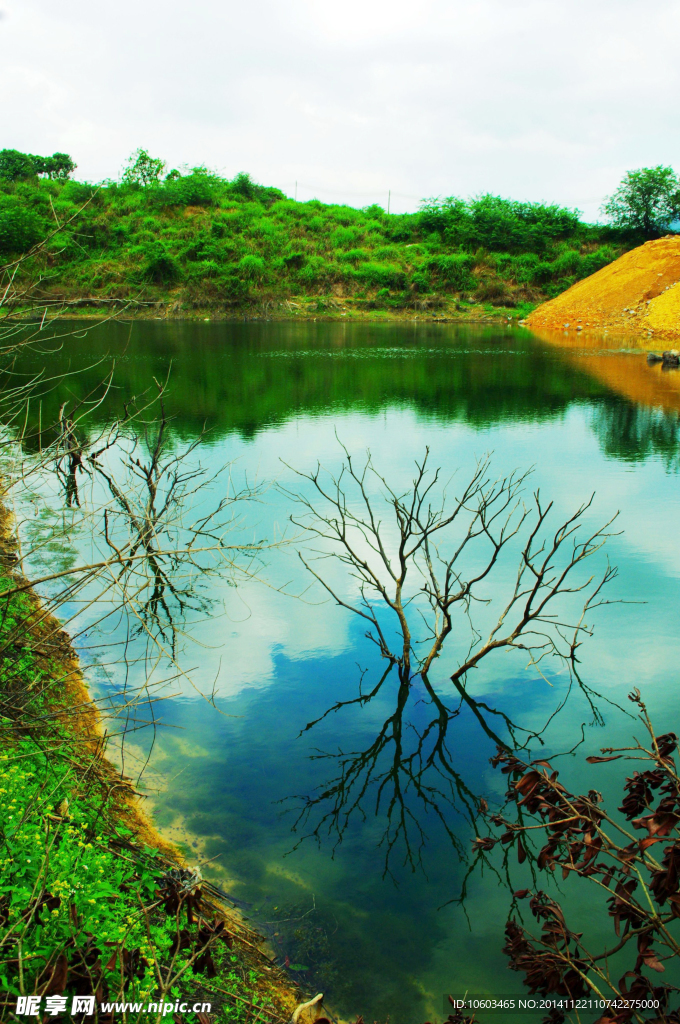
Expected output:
(100, 919)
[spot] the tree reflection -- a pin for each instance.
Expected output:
(421, 577)
(636, 432)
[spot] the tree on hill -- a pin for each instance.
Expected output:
(647, 200)
(59, 165)
(143, 169)
(17, 166)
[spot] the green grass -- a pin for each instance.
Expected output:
(65, 864)
(199, 241)
(85, 907)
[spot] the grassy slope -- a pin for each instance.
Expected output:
(201, 243)
(85, 905)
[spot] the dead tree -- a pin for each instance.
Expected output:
(420, 562)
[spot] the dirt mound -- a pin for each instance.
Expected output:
(663, 314)
(639, 292)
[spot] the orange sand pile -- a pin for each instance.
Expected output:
(639, 292)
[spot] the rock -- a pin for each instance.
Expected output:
(309, 1013)
(669, 358)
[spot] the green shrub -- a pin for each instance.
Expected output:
(344, 215)
(420, 283)
(544, 272)
(202, 269)
(231, 285)
(495, 291)
(499, 225)
(353, 256)
(525, 268)
(314, 271)
(341, 238)
(265, 229)
(251, 267)
(567, 263)
(293, 260)
(594, 261)
(384, 275)
(244, 186)
(77, 192)
(20, 227)
(454, 270)
(160, 266)
(196, 189)
(387, 253)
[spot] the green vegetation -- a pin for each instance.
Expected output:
(16, 166)
(86, 908)
(195, 241)
(245, 378)
(646, 202)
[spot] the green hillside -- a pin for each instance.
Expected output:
(198, 242)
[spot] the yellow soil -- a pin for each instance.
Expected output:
(639, 293)
(663, 314)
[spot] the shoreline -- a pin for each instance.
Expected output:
(475, 315)
(70, 704)
(287, 311)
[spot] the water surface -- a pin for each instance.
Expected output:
(270, 397)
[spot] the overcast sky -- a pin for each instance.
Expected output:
(533, 99)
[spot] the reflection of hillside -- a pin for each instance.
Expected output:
(245, 377)
(620, 364)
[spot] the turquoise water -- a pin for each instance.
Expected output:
(383, 935)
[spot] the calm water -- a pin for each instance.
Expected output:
(274, 397)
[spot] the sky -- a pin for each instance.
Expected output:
(545, 100)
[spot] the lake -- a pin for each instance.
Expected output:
(359, 909)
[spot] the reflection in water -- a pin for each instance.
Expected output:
(620, 364)
(649, 422)
(261, 395)
(422, 561)
(245, 378)
(636, 432)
